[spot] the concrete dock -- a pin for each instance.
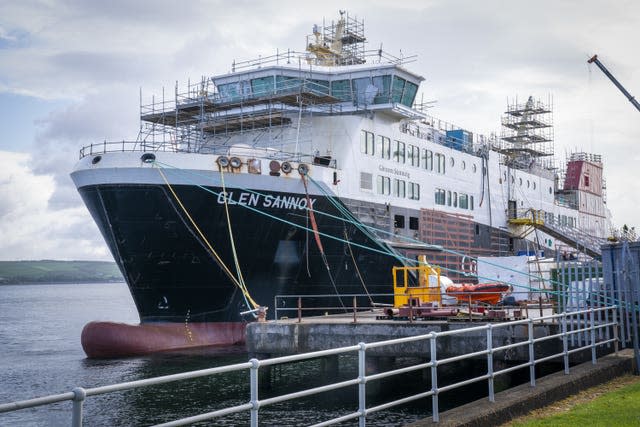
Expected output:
(284, 337)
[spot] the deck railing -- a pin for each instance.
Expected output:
(589, 328)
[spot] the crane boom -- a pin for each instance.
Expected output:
(606, 72)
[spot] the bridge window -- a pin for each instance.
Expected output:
(383, 84)
(262, 85)
(341, 89)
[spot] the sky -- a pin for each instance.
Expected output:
(72, 71)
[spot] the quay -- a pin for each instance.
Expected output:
(292, 336)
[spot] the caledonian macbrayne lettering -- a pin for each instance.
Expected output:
(265, 201)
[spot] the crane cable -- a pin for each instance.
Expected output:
(217, 258)
(243, 285)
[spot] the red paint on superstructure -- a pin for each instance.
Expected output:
(585, 176)
(110, 339)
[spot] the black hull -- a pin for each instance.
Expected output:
(173, 277)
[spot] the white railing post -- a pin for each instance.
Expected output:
(434, 377)
(532, 365)
(79, 394)
(593, 336)
(362, 386)
(565, 344)
(492, 397)
(255, 365)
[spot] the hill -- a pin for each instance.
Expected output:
(49, 271)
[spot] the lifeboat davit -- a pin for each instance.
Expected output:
(488, 293)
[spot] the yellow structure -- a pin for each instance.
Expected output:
(427, 288)
(529, 217)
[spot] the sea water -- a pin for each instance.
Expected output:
(40, 354)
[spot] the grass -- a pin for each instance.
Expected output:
(616, 403)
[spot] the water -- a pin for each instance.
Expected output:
(40, 354)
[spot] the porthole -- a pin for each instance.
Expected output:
(148, 158)
(96, 159)
(452, 162)
(474, 168)
(520, 181)
(463, 165)
(528, 183)
(235, 162)
(286, 167)
(534, 185)
(274, 166)
(223, 161)
(303, 169)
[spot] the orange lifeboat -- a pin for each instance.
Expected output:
(488, 293)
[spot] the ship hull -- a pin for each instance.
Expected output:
(163, 239)
(165, 254)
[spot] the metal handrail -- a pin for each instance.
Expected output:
(78, 395)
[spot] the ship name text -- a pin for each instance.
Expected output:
(393, 171)
(265, 201)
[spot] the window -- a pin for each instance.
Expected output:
(440, 196)
(463, 165)
(534, 185)
(341, 89)
(414, 191)
(399, 188)
(452, 162)
(383, 146)
(384, 185)
(414, 155)
(366, 143)
(463, 201)
(366, 181)
(399, 153)
(262, 85)
(398, 221)
(359, 86)
(471, 202)
(397, 89)
(474, 168)
(383, 84)
(440, 163)
(428, 160)
(586, 180)
(449, 198)
(414, 223)
(409, 95)
(455, 199)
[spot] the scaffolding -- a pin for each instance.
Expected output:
(339, 43)
(527, 135)
(203, 120)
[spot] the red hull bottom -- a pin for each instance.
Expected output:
(109, 339)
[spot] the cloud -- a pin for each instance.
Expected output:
(92, 58)
(29, 228)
